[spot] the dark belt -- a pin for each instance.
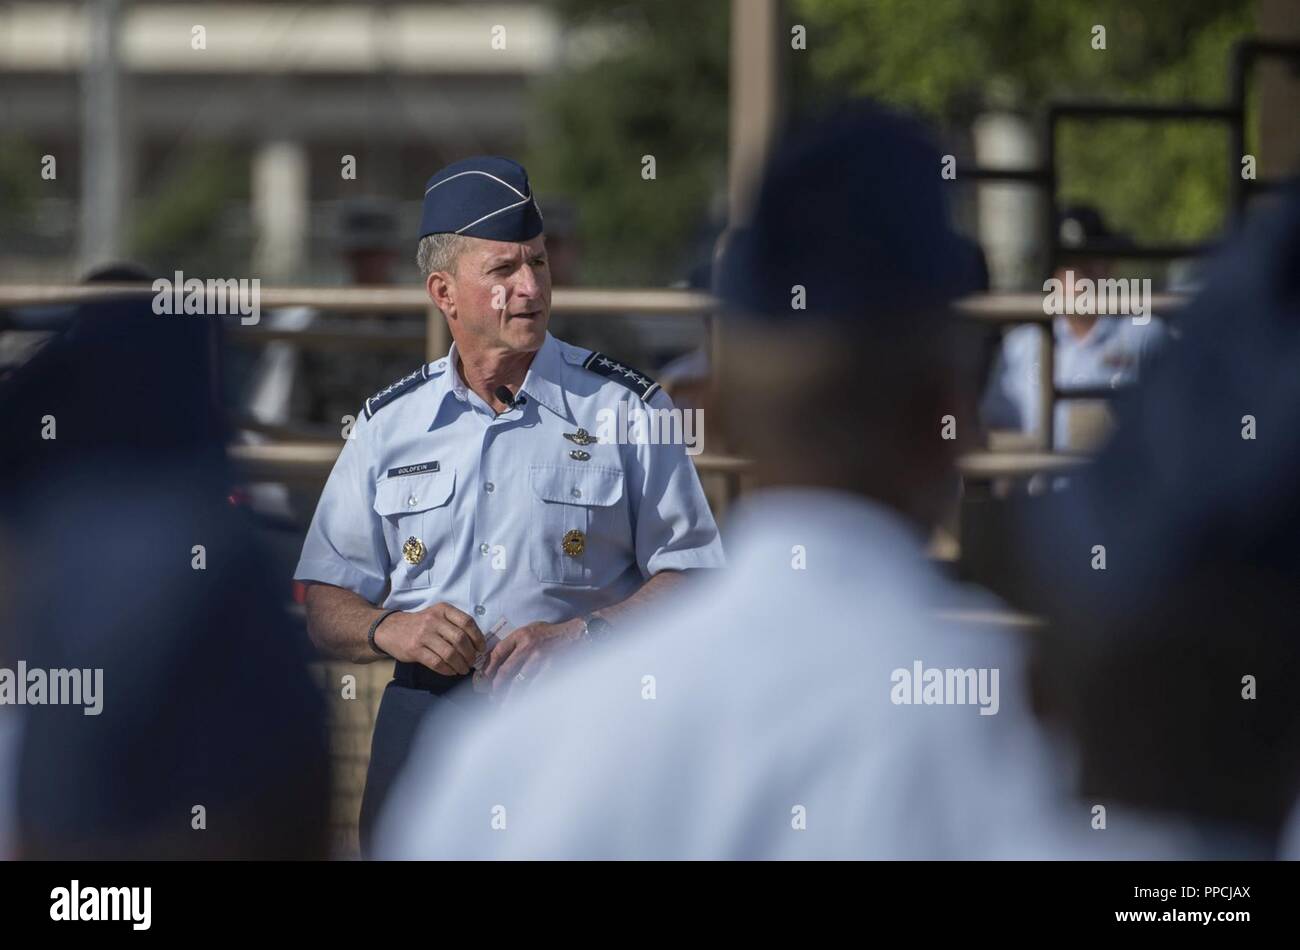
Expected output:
(416, 676)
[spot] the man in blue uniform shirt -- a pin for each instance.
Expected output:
(1091, 351)
(474, 521)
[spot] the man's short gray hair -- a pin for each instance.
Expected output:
(438, 252)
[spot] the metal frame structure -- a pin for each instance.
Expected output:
(1244, 57)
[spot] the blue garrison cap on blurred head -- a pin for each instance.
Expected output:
(484, 197)
(853, 210)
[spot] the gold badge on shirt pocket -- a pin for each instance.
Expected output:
(575, 542)
(413, 550)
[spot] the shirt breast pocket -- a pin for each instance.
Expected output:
(417, 527)
(581, 532)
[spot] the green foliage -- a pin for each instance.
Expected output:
(942, 57)
(20, 180)
(950, 59)
(659, 88)
(176, 223)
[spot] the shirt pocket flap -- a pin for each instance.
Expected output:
(405, 494)
(573, 485)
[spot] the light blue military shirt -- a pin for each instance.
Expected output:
(487, 502)
(1110, 355)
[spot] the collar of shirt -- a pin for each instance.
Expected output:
(544, 381)
(456, 383)
(837, 528)
(1100, 332)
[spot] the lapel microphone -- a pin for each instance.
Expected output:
(504, 394)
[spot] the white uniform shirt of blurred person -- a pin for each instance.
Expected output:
(771, 732)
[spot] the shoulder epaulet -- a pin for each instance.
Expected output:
(638, 382)
(393, 390)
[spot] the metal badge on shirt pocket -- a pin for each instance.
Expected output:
(580, 532)
(418, 528)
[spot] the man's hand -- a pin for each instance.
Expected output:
(444, 639)
(527, 650)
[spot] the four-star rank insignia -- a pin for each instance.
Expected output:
(393, 391)
(575, 542)
(413, 550)
(621, 373)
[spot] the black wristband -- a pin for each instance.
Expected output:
(370, 637)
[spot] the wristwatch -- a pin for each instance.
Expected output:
(595, 629)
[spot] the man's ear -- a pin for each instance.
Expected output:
(441, 292)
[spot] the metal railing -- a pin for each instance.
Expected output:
(299, 459)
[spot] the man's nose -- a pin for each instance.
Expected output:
(527, 284)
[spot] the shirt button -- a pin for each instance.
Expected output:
(489, 488)
(483, 548)
(480, 610)
(411, 501)
(576, 492)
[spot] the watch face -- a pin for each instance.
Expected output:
(598, 627)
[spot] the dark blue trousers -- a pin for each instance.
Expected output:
(412, 695)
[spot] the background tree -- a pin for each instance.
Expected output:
(645, 78)
(651, 78)
(951, 59)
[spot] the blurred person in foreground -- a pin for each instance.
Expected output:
(811, 702)
(1172, 580)
(206, 737)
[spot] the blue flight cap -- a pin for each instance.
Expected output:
(485, 197)
(852, 209)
